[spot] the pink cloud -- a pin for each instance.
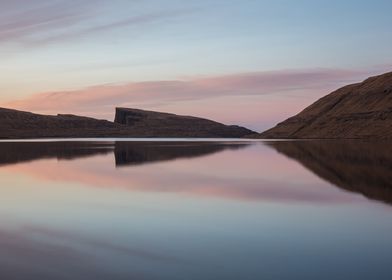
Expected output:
(258, 99)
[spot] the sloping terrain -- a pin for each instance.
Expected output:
(362, 110)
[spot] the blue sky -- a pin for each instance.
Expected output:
(58, 45)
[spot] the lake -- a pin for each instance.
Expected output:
(195, 210)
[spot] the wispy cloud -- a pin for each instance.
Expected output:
(43, 22)
(20, 20)
(106, 27)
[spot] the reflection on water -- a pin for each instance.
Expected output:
(189, 210)
(137, 153)
(126, 153)
(358, 166)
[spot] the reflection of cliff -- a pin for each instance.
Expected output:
(126, 153)
(357, 166)
(142, 152)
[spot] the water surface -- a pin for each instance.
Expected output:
(195, 210)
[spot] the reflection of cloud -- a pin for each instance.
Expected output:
(24, 256)
(96, 244)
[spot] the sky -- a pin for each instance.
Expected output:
(247, 62)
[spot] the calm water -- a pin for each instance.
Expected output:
(187, 210)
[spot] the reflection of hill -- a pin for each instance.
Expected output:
(16, 152)
(146, 152)
(357, 166)
(126, 153)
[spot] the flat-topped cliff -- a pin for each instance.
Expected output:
(166, 125)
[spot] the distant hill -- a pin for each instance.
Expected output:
(18, 125)
(362, 110)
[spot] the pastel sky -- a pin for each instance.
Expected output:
(250, 62)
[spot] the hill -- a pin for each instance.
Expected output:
(362, 110)
(129, 123)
